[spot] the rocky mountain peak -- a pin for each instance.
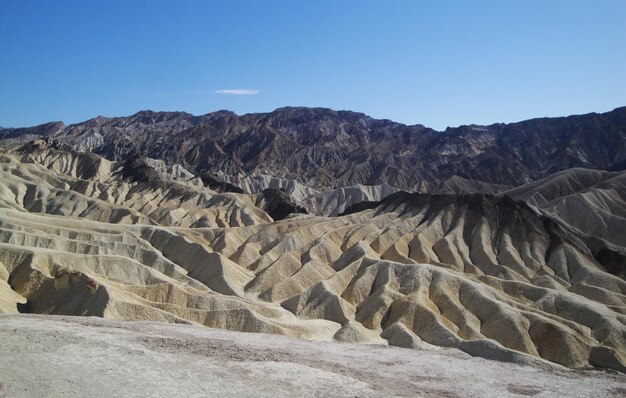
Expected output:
(327, 148)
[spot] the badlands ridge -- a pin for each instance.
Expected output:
(533, 274)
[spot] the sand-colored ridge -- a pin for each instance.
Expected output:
(488, 275)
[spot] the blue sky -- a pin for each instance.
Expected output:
(438, 63)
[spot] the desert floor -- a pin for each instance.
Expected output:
(51, 356)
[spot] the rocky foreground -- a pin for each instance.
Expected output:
(53, 356)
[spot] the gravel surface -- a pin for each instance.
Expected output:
(46, 356)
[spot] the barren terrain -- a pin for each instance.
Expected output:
(397, 292)
(50, 356)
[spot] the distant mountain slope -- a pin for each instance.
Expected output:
(592, 202)
(555, 186)
(460, 185)
(325, 148)
(335, 201)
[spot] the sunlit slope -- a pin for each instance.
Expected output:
(592, 201)
(488, 275)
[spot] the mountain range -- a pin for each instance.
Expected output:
(323, 148)
(506, 241)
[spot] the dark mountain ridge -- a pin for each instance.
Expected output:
(325, 148)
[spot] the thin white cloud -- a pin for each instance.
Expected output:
(237, 91)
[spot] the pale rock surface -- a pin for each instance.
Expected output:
(44, 356)
(335, 201)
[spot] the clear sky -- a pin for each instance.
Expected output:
(438, 63)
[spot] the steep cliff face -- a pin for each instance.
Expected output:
(325, 148)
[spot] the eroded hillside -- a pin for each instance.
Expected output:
(492, 276)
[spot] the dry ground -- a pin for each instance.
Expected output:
(47, 356)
